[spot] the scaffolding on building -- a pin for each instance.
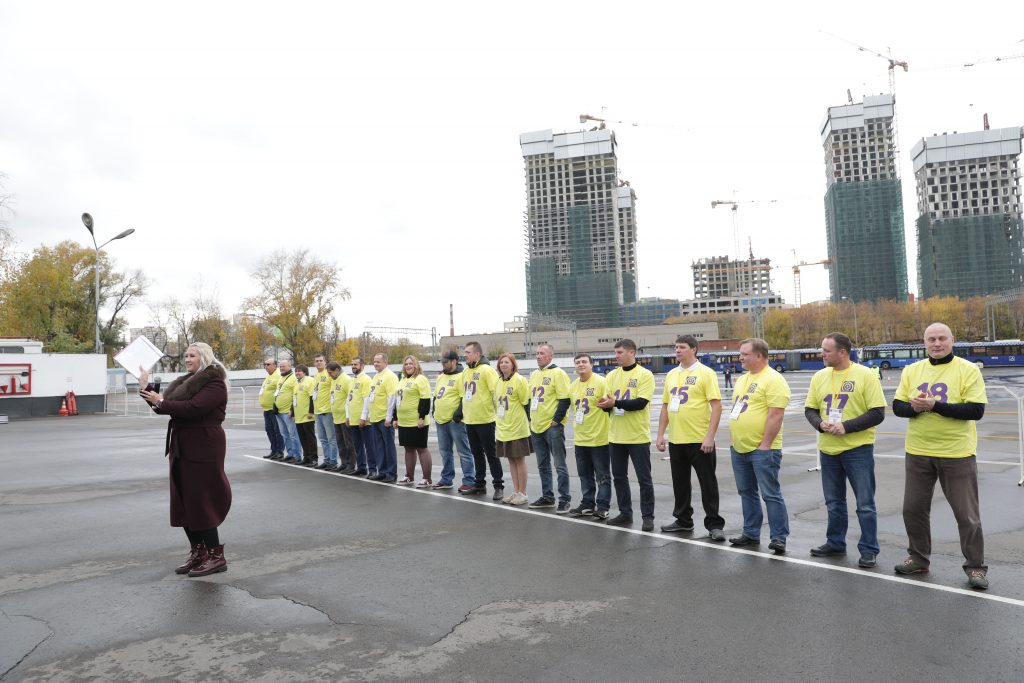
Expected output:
(865, 238)
(970, 255)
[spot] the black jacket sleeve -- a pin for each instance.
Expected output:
(631, 403)
(814, 417)
(457, 415)
(902, 409)
(561, 410)
(868, 420)
(424, 407)
(526, 409)
(960, 411)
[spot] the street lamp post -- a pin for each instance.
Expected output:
(87, 220)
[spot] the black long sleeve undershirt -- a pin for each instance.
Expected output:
(424, 408)
(561, 410)
(956, 411)
(630, 404)
(870, 419)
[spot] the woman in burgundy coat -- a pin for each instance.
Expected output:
(195, 448)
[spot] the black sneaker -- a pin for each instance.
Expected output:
(581, 511)
(778, 545)
(356, 473)
(621, 520)
(677, 526)
(499, 493)
(743, 539)
(827, 550)
(648, 524)
(562, 508)
(867, 560)
(601, 515)
(268, 456)
(542, 502)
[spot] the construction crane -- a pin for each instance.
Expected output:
(734, 205)
(796, 275)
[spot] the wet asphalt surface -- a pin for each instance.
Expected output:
(333, 578)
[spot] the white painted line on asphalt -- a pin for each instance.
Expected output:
(688, 541)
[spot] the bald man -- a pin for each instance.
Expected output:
(942, 396)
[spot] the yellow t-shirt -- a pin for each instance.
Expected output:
(358, 391)
(285, 395)
(689, 416)
(383, 385)
(853, 391)
(300, 399)
(447, 397)
(510, 414)
(589, 423)
(547, 387)
(268, 390)
(630, 426)
(753, 395)
(958, 381)
(410, 391)
(321, 393)
(479, 384)
(338, 398)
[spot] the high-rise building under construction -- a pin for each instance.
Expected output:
(969, 228)
(863, 202)
(580, 228)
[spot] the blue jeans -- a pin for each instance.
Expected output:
(384, 452)
(760, 470)
(454, 434)
(858, 466)
(361, 445)
(593, 463)
(550, 445)
(291, 435)
(273, 432)
(640, 455)
(328, 438)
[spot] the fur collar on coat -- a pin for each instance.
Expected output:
(184, 388)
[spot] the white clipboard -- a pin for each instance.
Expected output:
(141, 352)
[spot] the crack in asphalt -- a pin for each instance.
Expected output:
(649, 547)
(456, 626)
(300, 604)
(35, 647)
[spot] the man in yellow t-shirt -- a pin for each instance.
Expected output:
(630, 388)
(267, 392)
(341, 385)
(302, 404)
(845, 404)
(284, 397)
(691, 408)
(479, 414)
(549, 404)
(322, 414)
(451, 432)
(590, 440)
(760, 398)
(362, 441)
(943, 396)
(377, 411)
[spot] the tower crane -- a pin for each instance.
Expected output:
(734, 205)
(796, 275)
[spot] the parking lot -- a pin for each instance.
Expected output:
(334, 578)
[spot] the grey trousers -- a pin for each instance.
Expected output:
(958, 478)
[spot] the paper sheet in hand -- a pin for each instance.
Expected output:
(139, 352)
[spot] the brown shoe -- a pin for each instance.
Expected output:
(195, 558)
(213, 563)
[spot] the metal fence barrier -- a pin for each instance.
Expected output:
(127, 403)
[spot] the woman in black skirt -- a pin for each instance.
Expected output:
(413, 407)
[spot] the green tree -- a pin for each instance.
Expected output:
(50, 297)
(296, 293)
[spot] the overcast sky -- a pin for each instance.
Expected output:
(386, 138)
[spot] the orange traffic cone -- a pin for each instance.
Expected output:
(72, 403)
(63, 407)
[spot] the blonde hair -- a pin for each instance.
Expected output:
(416, 369)
(206, 359)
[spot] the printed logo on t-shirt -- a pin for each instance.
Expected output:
(847, 386)
(691, 380)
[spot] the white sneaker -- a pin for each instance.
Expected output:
(404, 481)
(424, 484)
(520, 499)
(509, 498)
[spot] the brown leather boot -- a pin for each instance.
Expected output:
(213, 562)
(195, 558)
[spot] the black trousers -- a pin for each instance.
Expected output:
(307, 437)
(347, 453)
(481, 442)
(686, 456)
